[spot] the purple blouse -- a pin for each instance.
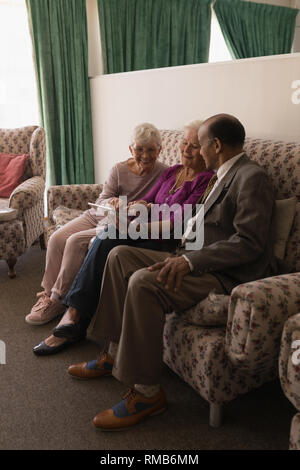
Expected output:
(189, 193)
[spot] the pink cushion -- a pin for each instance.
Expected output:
(11, 172)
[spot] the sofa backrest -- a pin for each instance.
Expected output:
(31, 140)
(281, 160)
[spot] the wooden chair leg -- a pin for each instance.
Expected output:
(11, 267)
(215, 415)
(42, 242)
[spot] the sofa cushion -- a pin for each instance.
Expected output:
(11, 172)
(212, 311)
(62, 215)
(281, 161)
(284, 215)
(4, 203)
(170, 152)
(8, 214)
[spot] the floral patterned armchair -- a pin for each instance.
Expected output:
(289, 371)
(27, 198)
(68, 201)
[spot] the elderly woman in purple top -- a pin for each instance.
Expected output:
(181, 184)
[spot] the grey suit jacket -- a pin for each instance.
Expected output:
(238, 238)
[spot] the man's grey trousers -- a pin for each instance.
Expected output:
(132, 310)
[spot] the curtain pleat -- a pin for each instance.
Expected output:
(143, 34)
(59, 34)
(256, 29)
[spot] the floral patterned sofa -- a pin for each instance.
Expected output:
(27, 198)
(224, 361)
(289, 371)
(66, 202)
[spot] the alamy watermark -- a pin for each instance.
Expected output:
(2, 352)
(153, 222)
(296, 354)
(296, 93)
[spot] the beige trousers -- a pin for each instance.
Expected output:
(132, 310)
(66, 251)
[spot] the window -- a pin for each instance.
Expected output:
(218, 51)
(18, 90)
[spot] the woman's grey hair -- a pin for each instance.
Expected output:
(145, 133)
(193, 125)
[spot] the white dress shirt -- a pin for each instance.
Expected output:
(221, 172)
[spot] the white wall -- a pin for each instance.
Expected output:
(258, 91)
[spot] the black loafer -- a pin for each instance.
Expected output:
(72, 331)
(43, 349)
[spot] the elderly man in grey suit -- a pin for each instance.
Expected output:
(140, 286)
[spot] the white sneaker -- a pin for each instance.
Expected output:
(44, 310)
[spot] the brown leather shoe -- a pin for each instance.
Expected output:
(93, 369)
(130, 411)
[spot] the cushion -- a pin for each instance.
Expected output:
(11, 172)
(212, 311)
(284, 215)
(4, 203)
(8, 214)
(62, 215)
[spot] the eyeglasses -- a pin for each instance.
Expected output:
(139, 150)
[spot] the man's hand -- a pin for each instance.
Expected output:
(171, 271)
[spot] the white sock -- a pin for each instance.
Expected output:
(113, 349)
(147, 390)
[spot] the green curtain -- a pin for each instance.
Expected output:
(143, 34)
(59, 34)
(256, 29)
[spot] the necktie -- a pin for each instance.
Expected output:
(209, 188)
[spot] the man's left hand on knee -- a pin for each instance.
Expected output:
(171, 271)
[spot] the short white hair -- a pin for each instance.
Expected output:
(193, 125)
(145, 133)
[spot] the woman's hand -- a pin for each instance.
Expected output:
(141, 201)
(144, 203)
(171, 271)
(115, 202)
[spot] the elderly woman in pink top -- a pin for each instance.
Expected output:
(68, 246)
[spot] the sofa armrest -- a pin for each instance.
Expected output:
(289, 360)
(256, 316)
(27, 194)
(73, 196)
